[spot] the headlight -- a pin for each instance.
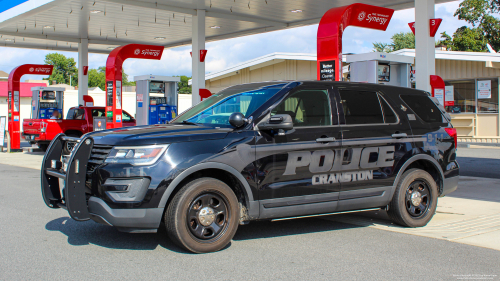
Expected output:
(136, 155)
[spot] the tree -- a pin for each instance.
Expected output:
(63, 68)
(381, 47)
(97, 78)
(184, 88)
(446, 40)
(402, 40)
(480, 13)
(469, 40)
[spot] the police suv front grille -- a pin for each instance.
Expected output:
(97, 157)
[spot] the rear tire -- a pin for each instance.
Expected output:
(203, 216)
(415, 200)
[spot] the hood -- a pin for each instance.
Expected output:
(157, 134)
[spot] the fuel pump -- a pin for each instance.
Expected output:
(380, 68)
(46, 100)
(156, 99)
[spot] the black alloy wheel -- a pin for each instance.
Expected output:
(418, 198)
(208, 216)
(203, 216)
(415, 199)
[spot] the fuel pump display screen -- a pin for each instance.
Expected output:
(109, 92)
(48, 95)
(157, 87)
(48, 105)
(384, 73)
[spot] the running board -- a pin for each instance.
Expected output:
(327, 214)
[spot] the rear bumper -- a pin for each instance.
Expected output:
(128, 220)
(449, 185)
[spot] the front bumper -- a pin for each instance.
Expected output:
(80, 205)
(127, 220)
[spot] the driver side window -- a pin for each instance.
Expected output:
(307, 108)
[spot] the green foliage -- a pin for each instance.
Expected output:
(63, 68)
(480, 13)
(125, 81)
(184, 88)
(97, 78)
(381, 47)
(469, 40)
(446, 40)
(402, 40)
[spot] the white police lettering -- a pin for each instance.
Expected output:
(360, 167)
(342, 177)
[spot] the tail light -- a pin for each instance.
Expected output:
(452, 132)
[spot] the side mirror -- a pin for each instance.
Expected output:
(277, 122)
(237, 120)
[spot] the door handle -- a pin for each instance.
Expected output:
(325, 139)
(402, 135)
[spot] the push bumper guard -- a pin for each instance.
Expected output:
(74, 199)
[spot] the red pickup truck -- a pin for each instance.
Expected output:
(79, 121)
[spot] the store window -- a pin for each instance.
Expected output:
(467, 96)
(464, 96)
(487, 104)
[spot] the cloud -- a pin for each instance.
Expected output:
(226, 53)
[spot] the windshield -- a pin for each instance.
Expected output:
(217, 108)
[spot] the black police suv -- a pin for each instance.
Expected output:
(261, 151)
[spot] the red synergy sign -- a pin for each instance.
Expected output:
(114, 72)
(331, 28)
(14, 98)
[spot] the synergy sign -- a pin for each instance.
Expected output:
(114, 71)
(331, 28)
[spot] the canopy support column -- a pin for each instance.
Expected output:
(198, 78)
(83, 62)
(425, 64)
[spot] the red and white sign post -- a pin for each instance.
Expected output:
(331, 28)
(433, 26)
(114, 74)
(14, 98)
(438, 88)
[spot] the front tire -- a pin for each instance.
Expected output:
(415, 200)
(203, 216)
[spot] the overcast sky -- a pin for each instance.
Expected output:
(226, 53)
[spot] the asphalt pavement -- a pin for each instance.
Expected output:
(479, 162)
(38, 243)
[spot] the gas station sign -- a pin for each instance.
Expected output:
(331, 28)
(327, 70)
(14, 98)
(114, 72)
(433, 26)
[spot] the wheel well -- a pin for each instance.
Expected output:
(73, 132)
(219, 174)
(430, 168)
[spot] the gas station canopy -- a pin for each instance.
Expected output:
(61, 24)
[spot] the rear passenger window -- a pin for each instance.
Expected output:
(389, 116)
(424, 108)
(71, 114)
(361, 107)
